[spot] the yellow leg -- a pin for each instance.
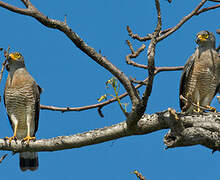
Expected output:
(14, 136)
(28, 138)
(198, 107)
(211, 108)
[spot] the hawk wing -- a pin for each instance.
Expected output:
(5, 103)
(186, 74)
(37, 91)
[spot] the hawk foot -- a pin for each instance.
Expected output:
(11, 138)
(28, 139)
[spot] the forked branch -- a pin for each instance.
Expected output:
(63, 27)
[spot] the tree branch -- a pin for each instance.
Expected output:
(134, 54)
(63, 27)
(151, 55)
(147, 124)
(207, 9)
(182, 21)
(165, 33)
(100, 105)
(203, 129)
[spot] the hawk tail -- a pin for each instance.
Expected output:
(28, 160)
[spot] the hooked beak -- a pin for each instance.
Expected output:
(11, 56)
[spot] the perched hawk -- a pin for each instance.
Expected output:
(200, 78)
(22, 102)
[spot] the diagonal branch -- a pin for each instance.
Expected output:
(63, 27)
(100, 105)
(163, 34)
(15, 9)
(182, 21)
(207, 9)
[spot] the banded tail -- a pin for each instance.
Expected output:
(29, 160)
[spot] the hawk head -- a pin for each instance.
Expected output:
(15, 61)
(16, 56)
(205, 39)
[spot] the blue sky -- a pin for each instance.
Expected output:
(70, 78)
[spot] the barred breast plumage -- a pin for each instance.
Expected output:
(200, 78)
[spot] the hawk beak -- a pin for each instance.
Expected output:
(12, 56)
(201, 38)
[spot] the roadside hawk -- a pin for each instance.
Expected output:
(22, 102)
(200, 79)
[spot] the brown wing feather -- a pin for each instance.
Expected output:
(37, 91)
(10, 121)
(185, 78)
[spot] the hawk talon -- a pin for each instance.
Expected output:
(28, 139)
(11, 138)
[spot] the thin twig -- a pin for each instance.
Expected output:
(207, 9)
(2, 70)
(3, 65)
(167, 32)
(133, 53)
(83, 108)
(145, 38)
(3, 157)
(139, 175)
(182, 21)
(214, 0)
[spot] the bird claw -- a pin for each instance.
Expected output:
(28, 139)
(11, 138)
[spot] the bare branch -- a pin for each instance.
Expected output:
(201, 129)
(139, 175)
(3, 157)
(215, 0)
(136, 36)
(14, 9)
(174, 68)
(148, 37)
(2, 70)
(134, 54)
(207, 9)
(182, 21)
(100, 105)
(151, 55)
(146, 125)
(169, 31)
(98, 58)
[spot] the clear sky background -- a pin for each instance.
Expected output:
(70, 78)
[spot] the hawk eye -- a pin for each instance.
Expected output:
(206, 36)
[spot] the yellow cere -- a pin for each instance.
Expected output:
(15, 55)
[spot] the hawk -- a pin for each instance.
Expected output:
(200, 78)
(22, 102)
